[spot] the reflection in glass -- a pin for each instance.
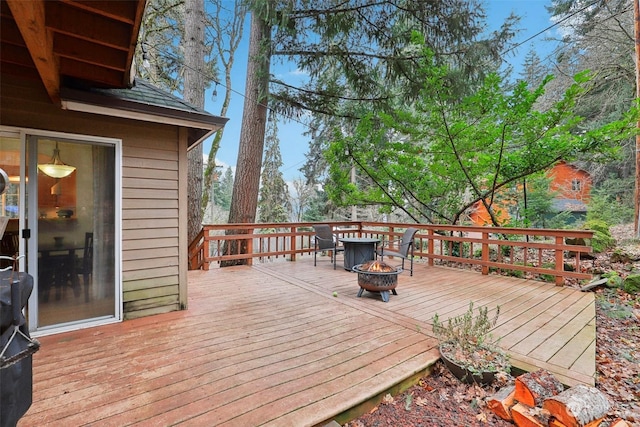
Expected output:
(76, 236)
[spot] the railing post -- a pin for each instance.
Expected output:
(485, 253)
(292, 239)
(559, 267)
(250, 247)
(205, 251)
(430, 246)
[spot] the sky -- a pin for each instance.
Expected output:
(294, 144)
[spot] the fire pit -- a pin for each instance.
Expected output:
(377, 276)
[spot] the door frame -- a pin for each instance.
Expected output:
(30, 208)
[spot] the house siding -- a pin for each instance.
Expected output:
(153, 162)
(562, 177)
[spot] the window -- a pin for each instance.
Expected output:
(576, 185)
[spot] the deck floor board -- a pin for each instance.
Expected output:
(271, 345)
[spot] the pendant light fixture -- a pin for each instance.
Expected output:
(56, 168)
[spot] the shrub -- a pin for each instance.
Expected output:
(466, 330)
(615, 281)
(467, 341)
(602, 239)
(606, 207)
(631, 284)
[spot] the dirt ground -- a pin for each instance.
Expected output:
(440, 400)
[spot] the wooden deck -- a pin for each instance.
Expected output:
(270, 345)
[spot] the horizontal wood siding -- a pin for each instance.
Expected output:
(150, 200)
(150, 222)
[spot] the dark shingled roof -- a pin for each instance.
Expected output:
(570, 205)
(149, 100)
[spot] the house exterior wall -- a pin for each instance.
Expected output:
(154, 260)
(569, 182)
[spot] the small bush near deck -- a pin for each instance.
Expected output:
(467, 341)
(467, 330)
(602, 239)
(516, 273)
(631, 284)
(548, 277)
(615, 281)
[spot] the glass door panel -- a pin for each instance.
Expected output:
(75, 231)
(10, 201)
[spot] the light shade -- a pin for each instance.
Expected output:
(56, 168)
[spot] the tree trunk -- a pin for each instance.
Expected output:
(578, 406)
(193, 93)
(502, 402)
(244, 201)
(636, 199)
(525, 416)
(533, 387)
(228, 36)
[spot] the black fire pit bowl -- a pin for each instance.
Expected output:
(377, 281)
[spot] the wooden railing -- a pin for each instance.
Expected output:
(517, 251)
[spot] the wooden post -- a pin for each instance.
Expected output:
(559, 261)
(431, 235)
(485, 253)
(205, 252)
(250, 247)
(292, 238)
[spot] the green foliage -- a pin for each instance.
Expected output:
(615, 281)
(631, 284)
(223, 190)
(428, 158)
(560, 220)
(613, 309)
(467, 331)
(363, 58)
(602, 239)
(516, 273)
(534, 202)
(274, 204)
(548, 277)
(604, 206)
(466, 339)
(316, 208)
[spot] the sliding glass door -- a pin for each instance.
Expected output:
(68, 227)
(76, 225)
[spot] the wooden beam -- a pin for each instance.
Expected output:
(137, 22)
(30, 19)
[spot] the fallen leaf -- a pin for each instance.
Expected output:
(481, 417)
(459, 397)
(388, 399)
(421, 401)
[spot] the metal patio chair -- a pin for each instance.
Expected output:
(325, 240)
(403, 248)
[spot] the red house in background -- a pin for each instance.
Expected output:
(573, 188)
(571, 185)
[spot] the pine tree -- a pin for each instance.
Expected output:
(274, 204)
(533, 70)
(223, 189)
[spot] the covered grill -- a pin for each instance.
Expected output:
(16, 347)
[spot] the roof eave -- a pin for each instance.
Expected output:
(203, 124)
